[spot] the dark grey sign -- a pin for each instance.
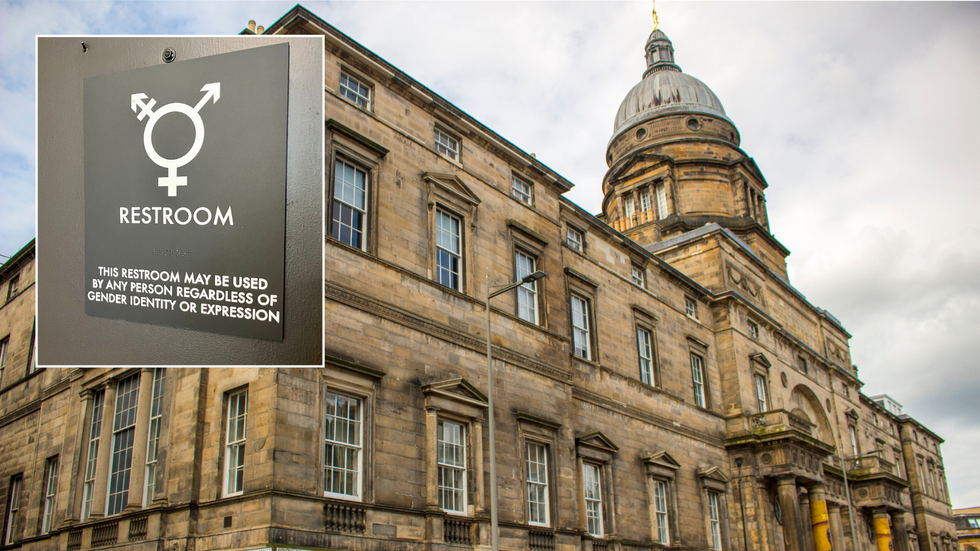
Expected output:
(185, 193)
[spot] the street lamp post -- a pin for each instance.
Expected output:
(530, 278)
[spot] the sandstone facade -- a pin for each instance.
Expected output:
(664, 387)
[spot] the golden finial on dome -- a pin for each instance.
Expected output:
(656, 22)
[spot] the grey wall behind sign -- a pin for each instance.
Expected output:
(66, 335)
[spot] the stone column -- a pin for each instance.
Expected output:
(479, 501)
(805, 519)
(789, 503)
(836, 526)
(819, 519)
(105, 447)
(431, 459)
(900, 534)
(609, 524)
(75, 491)
(137, 471)
(883, 535)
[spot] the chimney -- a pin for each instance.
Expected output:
(251, 25)
(259, 30)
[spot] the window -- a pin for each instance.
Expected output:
(574, 239)
(153, 437)
(355, 90)
(4, 344)
(451, 451)
(13, 507)
(349, 218)
(235, 443)
(714, 521)
(527, 294)
(447, 145)
(645, 203)
(660, 191)
(536, 462)
(690, 307)
(645, 344)
(520, 189)
(637, 274)
(593, 499)
(342, 446)
(580, 327)
(50, 491)
(95, 429)
(660, 500)
(629, 206)
(12, 287)
(32, 351)
(448, 250)
(760, 393)
(123, 431)
(753, 330)
(854, 444)
(697, 374)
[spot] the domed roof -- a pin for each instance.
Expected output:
(664, 90)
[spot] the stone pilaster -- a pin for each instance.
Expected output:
(789, 503)
(105, 447)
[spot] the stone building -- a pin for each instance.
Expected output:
(664, 386)
(968, 528)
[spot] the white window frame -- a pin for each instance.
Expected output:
(753, 329)
(13, 507)
(660, 191)
(351, 90)
(761, 392)
(235, 443)
(4, 345)
(581, 331)
(123, 428)
(575, 239)
(527, 294)
(697, 377)
(853, 434)
(691, 307)
(645, 202)
(592, 483)
(661, 508)
(153, 436)
(50, 494)
(446, 241)
(340, 190)
(644, 343)
(536, 483)
(636, 273)
(521, 189)
(456, 466)
(714, 521)
(447, 144)
(95, 433)
(629, 205)
(352, 444)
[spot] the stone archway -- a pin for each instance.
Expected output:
(804, 403)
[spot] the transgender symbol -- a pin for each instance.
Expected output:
(171, 181)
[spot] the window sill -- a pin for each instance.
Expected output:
(342, 497)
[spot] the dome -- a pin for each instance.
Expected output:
(664, 90)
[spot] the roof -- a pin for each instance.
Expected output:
(13, 263)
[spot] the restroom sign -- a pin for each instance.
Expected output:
(185, 193)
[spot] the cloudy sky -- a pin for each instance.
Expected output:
(864, 118)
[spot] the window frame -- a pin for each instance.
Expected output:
(714, 521)
(589, 466)
(368, 100)
(4, 349)
(753, 329)
(638, 276)
(584, 316)
(153, 431)
(761, 385)
(239, 443)
(457, 255)
(661, 475)
(359, 446)
(691, 308)
(629, 205)
(662, 521)
(579, 246)
(362, 153)
(698, 380)
(546, 485)
(90, 472)
(650, 375)
(116, 433)
(660, 198)
(49, 494)
(595, 450)
(14, 489)
(453, 154)
(365, 212)
(463, 469)
(522, 196)
(13, 287)
(527, 288)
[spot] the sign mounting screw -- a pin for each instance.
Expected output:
(169, 55)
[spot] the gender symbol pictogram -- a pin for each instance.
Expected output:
(171, 181)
